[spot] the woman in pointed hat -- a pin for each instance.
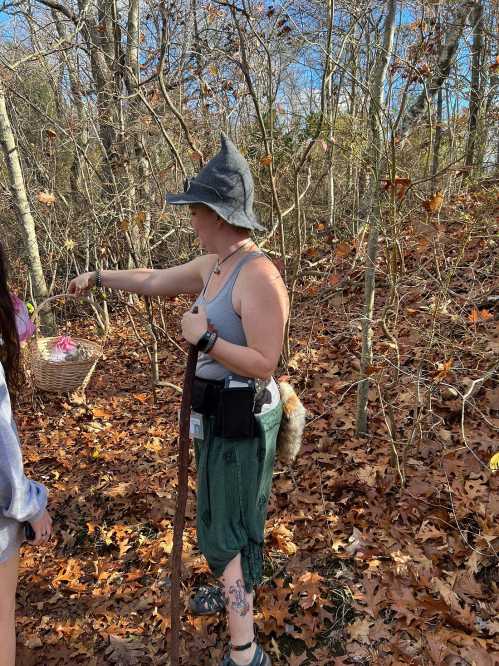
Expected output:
(242, 309)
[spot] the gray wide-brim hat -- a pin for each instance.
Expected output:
(225, 185)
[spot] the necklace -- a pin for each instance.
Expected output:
(216, 270)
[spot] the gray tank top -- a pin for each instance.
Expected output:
(221, 314)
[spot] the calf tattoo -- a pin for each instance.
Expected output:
(237, 598)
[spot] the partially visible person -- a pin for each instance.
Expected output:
(21, 500)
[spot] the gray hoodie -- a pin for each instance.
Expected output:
(20, 499)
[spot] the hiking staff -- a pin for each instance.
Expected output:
(182, 490)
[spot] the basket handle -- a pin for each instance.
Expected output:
(37, 310)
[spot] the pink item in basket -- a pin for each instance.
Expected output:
(24, 325)
(65, 343)
(63, 349)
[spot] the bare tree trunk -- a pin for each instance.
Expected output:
(438, 135)
(476, 87)
(330, 120)
(375, 111)
(485, 125)
(81, 141)
(141, 227)
(23, 211)
(442, 69)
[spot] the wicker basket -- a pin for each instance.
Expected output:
(60, 376)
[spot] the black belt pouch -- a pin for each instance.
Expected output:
(198, 398)
(235, 418)
(205, 396)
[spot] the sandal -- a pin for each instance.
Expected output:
(208, 600)
(260, 658)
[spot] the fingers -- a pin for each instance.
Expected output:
(43, 537)
(79, 285)
(74, 288)
(43, 530)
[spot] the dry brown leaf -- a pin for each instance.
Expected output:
(356, 542)
(139, 219)
(121, 490)
(342, 250)
(124, 651)
(359, 630)
(428, 531)
(477, 316)
(400, 186)
(46, 198)
(438, 649)
(443, 370)
(434, 203)
(282, 538)
(367, 474)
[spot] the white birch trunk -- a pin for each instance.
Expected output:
(23, 211)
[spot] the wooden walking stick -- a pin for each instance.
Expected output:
(182, 488)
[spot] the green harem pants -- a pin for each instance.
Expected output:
(234, 479)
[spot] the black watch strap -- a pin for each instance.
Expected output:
(204, 341)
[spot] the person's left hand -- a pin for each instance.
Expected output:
(194, 325)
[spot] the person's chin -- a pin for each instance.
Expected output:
(206, 246)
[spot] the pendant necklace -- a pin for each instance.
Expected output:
(216, 270)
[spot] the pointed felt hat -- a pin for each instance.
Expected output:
(225, 185)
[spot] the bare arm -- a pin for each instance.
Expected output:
(184, 279)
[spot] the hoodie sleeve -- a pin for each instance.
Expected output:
(20, 498)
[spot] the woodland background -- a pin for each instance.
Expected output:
(372, 132)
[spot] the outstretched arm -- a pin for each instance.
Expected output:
(184, 279)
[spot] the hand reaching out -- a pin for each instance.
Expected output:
(82, 283)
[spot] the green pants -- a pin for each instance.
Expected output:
(234, 479)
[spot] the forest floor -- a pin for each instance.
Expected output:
(379, 550)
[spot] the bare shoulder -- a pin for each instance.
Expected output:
(262, 279)
(263, 271)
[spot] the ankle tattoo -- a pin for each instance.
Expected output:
(237, 596)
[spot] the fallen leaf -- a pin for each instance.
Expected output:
(124, 651)
(342, 250)
(434, 203)
(46, 198)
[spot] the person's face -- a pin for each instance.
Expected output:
(204, 222)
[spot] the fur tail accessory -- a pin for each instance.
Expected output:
(290, 434)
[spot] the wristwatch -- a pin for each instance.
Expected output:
(206, 341)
